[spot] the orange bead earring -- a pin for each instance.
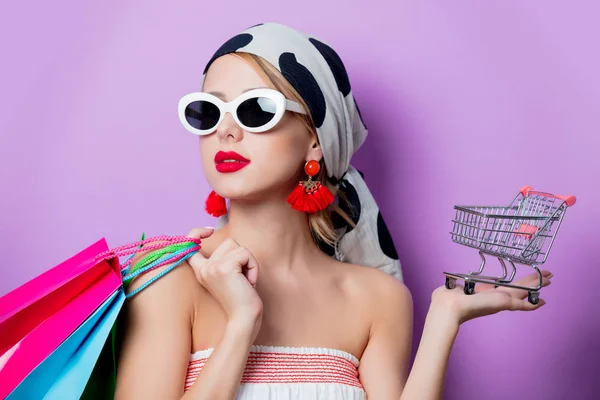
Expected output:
(310, 196)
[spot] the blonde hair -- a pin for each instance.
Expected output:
(321, 224)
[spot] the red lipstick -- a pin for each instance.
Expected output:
(229, 161)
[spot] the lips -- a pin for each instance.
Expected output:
(230, 161)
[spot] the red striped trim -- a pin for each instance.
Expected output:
(271, 367)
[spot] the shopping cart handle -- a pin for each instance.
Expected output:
(569, 200)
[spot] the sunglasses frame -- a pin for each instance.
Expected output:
(281, 105)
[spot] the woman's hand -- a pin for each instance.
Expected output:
(230, 275)
(487, 300)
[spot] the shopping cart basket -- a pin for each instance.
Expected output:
(522, 233)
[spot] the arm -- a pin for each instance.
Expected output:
(448, 310)
(221, 375)
(156, 347)
(385, 358)
(156, 350)
(385, 362)
(426, 379)
(223, 277)
(157, 340)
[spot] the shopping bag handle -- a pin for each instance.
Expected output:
(569, 200)
(154, 243)
(170, 249)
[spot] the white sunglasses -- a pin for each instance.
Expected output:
(257, 110)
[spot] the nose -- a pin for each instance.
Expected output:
(228, 129)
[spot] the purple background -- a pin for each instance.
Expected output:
(466, 101)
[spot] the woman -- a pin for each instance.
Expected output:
(264, 311)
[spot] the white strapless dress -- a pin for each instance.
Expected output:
(292, 373)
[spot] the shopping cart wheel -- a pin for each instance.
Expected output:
(533, 297)
(450, 283)
(469, 287)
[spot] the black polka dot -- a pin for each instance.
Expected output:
(361, 174)
(351, 206)
(306, 85)
(335, 64)
(230, 46)
(359, 114)
(253, 26)
(385, 239)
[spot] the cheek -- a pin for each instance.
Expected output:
(292, 140)
(208, 149)
(282, 154)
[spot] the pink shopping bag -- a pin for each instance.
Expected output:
(38, 316)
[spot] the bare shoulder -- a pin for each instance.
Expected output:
(167, 288)
(384, 364)
(379, 288)
(177, 297)
(180, 282)
(157, 337)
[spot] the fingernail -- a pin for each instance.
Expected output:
(550, 276)
(209, 227)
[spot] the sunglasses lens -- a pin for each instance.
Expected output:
(256, 112)
(202, 114)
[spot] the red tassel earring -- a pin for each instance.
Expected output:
(310, 196)
(215, 205)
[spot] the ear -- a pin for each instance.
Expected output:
(314, 152)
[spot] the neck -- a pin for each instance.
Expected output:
(277, 235)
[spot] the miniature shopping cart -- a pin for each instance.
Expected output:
(522, 233)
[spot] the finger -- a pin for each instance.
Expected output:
(546, 273)
(201, 233)
(252, 270)
(525, 305)
(531, 280)
(249, 265)
(196, 261)
(480, 287)
(225, 247)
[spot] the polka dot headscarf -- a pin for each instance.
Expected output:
(317, 73)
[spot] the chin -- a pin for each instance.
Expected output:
(235, 189)
(248, 183)
(249, 190)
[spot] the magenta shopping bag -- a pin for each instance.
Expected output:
(38, 316)
(53, 327)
